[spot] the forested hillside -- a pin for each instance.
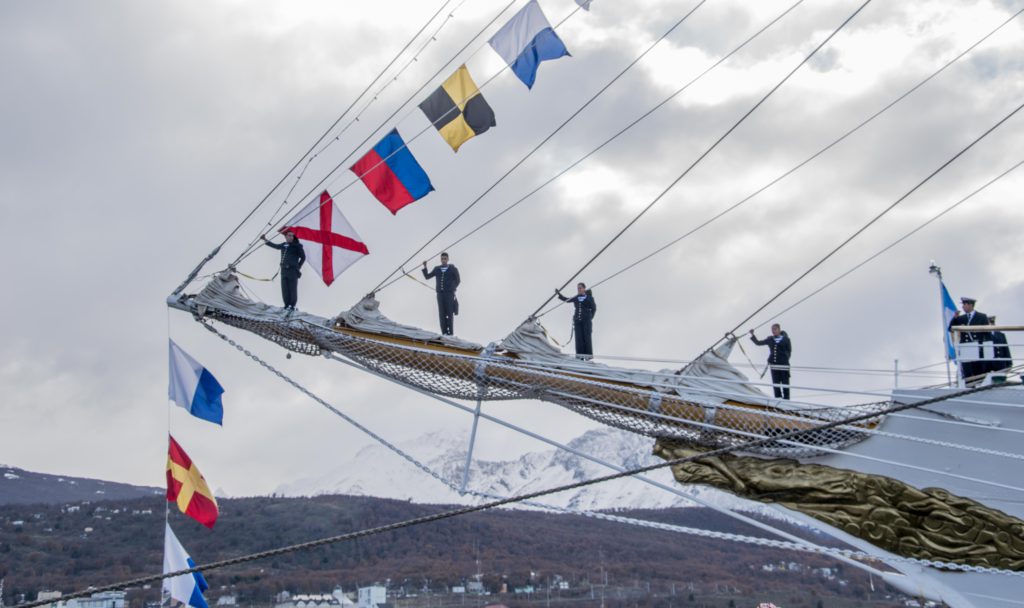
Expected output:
(69, 547)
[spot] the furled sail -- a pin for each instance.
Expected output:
(709, 402)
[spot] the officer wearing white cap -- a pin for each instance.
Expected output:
(972, 317)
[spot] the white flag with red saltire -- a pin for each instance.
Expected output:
(331, 243)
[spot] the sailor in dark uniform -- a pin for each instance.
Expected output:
(292, 258)
(582, 319)
(446, 281)
(1001, 357)
(778, 358)
(970, 316)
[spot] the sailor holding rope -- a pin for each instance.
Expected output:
(582, 319)
(446, 281)
(292, 257)
(778, 358)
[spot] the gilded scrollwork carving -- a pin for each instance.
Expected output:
(927, 523)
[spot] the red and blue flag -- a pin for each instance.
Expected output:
(392, 174)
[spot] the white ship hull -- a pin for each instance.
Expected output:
(991, 420)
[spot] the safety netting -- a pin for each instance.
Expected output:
(708, 402)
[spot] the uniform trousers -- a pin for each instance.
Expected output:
(584, 345)
(289, 289)
(780, 381)
(446, 312)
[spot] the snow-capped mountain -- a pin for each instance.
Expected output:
(378, 471)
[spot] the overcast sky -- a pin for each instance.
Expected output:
(137, 135)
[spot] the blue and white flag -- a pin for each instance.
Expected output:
(193, 387)
(526, 40)
(186, 588)
(948, 312)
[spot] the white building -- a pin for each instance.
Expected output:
(337, 599)
(373, 596)
(106, 599)
(48, 595)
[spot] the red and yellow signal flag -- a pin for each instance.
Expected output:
(187, 487)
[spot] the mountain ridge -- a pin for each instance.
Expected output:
(374, 469)
(20, 486)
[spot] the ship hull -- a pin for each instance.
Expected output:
(992, 420)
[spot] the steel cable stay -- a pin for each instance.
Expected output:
(800, 165)
(529, 154)
(500, 422)
(872, 221)
(796, 406)
(792, 542)
(708, 151)
(750, 440)
(710, 426)
(358, 116)
(374, 133)
(542, 142)
(791, 417)
(387, 283)
(449, 514)
(327, 132)
(864, 262)
(896, 242)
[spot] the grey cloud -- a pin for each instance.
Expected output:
(140, 134)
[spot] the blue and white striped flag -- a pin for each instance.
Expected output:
(527, 40)
(193, 387)
(948, 312)
(186, 588)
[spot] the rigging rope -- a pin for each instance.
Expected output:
(266, 197)
(245, 253)
(874, 219)
(800, 165)
(725, 511)
(898, 241)
(705, 153)
(643, 116)
(557, 129)
(358, 116)
(449, 514)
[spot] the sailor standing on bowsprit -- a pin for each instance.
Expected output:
(292, 258)
(582, 319)
(446, 281)
(778, 358)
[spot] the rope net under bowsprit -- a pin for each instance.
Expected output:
(709, 402)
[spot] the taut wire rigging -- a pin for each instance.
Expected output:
(615, 136)
(434, 517)
(871, 222)
(810, 158)
(703, 155)
(266, 197)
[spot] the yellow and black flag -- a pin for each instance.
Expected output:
(458, 110)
